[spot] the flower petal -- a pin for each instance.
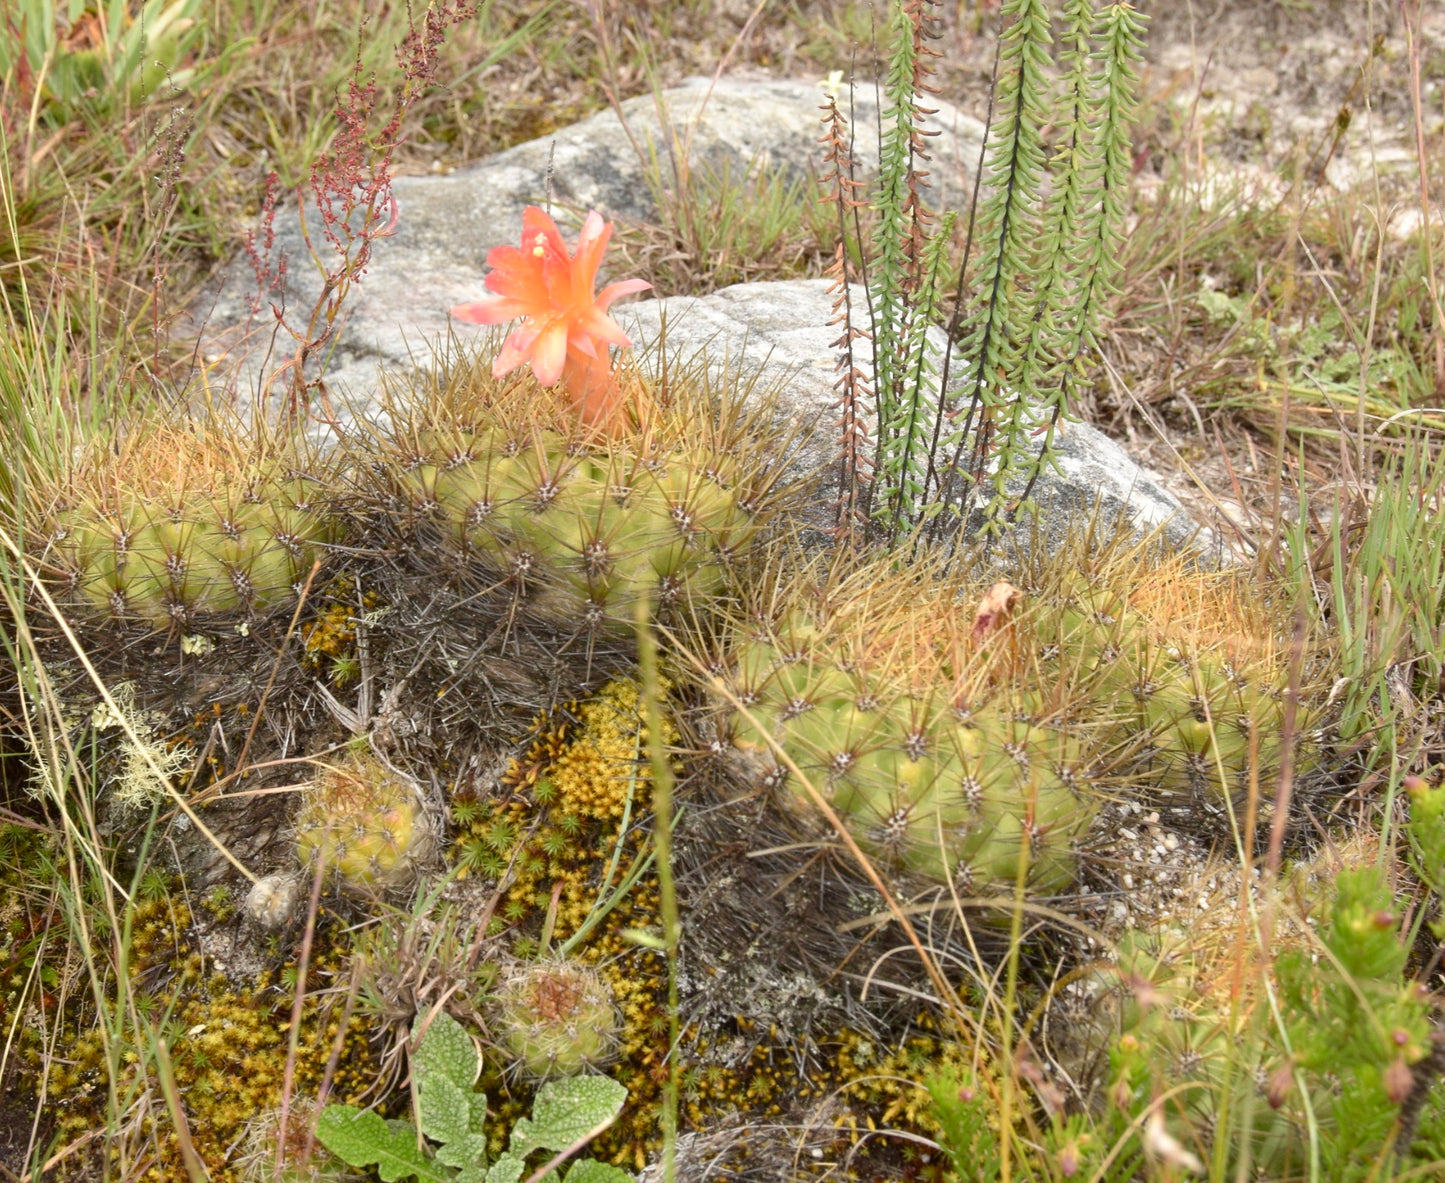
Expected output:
(506, 258)
(591, 245)
(615, 291)
(490, 312)
(513, 355)
(540, 236)
(522, 284)
(549, 353)
(602, 327)
(582, 344)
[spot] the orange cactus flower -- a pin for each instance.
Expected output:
(565, 332)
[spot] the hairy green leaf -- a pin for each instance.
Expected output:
(589, 1170)
(360, 1138)
(566, 1111)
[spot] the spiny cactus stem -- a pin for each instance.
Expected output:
(62, 621)
(956, 1009)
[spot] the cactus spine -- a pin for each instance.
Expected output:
(877, 693)
(1191, 670)
(556, 1017)
(579, 526)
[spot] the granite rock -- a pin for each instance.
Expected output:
(777, 336)
(771, 335)
(446, 224)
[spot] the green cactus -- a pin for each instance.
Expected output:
(944, 738)
(1179, 1036)
(578, 526)
(556, 1017)
(366, 823)
(176, 526)
(881, 699)
(1178, 667)
(1203, 1026)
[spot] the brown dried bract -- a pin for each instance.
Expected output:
(994, 610)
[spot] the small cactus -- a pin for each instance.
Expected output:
(273, 899)
(578, 526)
(366, 823)
(556, 1017)
(181, 524)
(1188, 670)
(880, 694)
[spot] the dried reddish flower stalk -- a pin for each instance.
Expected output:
(351, 191)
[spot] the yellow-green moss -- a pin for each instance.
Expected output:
(558, 829)
(329, 640)
(228, 1046)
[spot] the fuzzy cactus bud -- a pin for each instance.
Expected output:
(367, 823)
(277, 1151)
(1398, 1080)
(556, 1018)
(1281, 1081)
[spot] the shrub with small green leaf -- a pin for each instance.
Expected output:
(1312, 1090)
(966, 1115)
(1425, 831)
(1357, 1025)
(445, 1066)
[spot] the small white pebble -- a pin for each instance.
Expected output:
(1171, 842)
(273, 899)
(1128, 880)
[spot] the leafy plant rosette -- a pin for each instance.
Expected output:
(451, 1145)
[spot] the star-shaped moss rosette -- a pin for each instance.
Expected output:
(565, 332)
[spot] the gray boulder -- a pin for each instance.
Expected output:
(436, 256)
(773, 334)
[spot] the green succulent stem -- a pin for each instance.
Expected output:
(1055, 171)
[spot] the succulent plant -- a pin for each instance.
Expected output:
(556, 1017)
(273, 899)
(874, 687)
(366, 823)
(1188, 669)
(578, 525)
(1177, 1036)
(947, 724)
(176, 524)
